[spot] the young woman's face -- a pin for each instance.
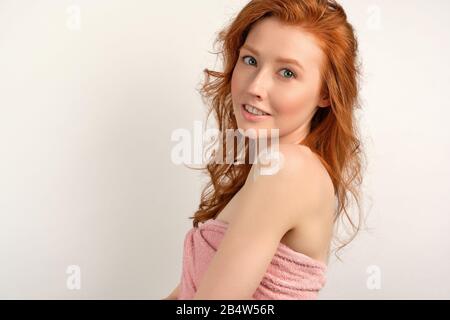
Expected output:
(289, 93)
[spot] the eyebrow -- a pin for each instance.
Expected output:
(279, 59)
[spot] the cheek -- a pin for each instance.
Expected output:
(290, 106)
(294, 102)
(236, 80)
(235, 85)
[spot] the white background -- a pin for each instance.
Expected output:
(86, 115)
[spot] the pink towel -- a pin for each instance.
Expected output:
(291, 275)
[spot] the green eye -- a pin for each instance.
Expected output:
(292, 74)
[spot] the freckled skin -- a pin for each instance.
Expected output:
(291, 95)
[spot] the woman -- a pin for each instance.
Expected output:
(289, 65)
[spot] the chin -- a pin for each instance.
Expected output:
(255, 131)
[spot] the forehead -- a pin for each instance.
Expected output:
(273, 39)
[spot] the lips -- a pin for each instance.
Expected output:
(252, 117)
(251, 105)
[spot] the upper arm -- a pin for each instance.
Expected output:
(269, 207)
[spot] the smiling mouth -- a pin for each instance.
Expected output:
(254, 111)
(251, 117)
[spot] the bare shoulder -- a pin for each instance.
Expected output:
(312, 190)
(312, 176)
(299, 172)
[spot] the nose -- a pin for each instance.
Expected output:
(258, 85)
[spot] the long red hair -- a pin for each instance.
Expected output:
(333, 132)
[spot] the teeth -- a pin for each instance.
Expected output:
(254, 111)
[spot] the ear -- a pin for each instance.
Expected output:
(324, 101)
